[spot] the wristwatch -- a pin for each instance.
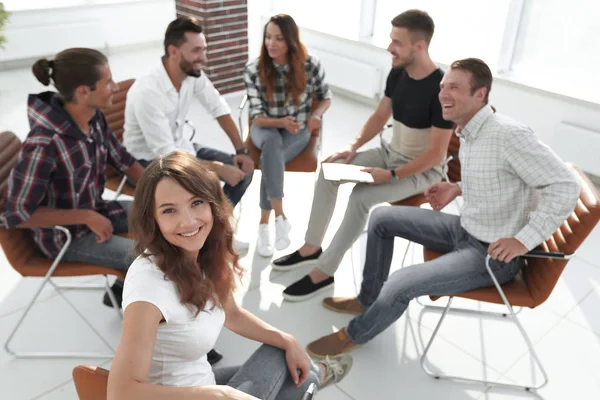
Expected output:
(242, 150)
(394, 176)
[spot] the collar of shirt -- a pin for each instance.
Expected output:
(470, 131)
(163, 78)
(282, 69)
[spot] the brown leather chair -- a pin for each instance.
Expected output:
(90, 382)
(539, 277)
(23, 255)
(307, 161)
(115, 115)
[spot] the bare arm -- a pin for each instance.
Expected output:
(131, 365)
(321, 108)
(438, 148)
(135, 172)
(374, 124)
(44, 217)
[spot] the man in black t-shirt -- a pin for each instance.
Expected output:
(402, 168)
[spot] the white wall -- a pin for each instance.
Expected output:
(541, 110)
(41, 28)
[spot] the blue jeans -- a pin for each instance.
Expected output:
(116, 252)
(265, 375)
(233, 193)
(460, 269)
(277, 147)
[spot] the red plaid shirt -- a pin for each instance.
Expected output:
(60, 167)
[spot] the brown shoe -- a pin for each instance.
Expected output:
(346, 305)
(331, 345)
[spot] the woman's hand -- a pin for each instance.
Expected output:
(290, 124)
(297, 359)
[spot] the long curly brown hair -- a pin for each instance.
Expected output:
(212, 276)
(295, 82)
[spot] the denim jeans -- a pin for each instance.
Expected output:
(460, 269)
(265, 375)
(115, 253)
(277, 147)
(233, 193)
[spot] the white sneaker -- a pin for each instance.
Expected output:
(240, 246)
(282, 230)
(263, 243)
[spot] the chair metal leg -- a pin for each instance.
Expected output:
(20, 354)
(514, 318)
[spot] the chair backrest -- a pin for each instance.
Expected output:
(90, 382)
(542, 274)
(18, 245)
(454, 164)
(115, 116)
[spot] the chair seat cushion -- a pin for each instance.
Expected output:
(113, 183)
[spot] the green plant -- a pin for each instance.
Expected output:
(3, 19)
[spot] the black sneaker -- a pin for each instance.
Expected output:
(117, 289)
(295, 260)
(304, 289)
(213, 357)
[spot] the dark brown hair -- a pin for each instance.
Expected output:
(212, 277)
(481, 75)
(295, 82)
(70, 69)
(417, 22)
(175, 34)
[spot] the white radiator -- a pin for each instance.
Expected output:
(350, 75)
(579, 145)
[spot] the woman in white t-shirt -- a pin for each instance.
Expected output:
(178, 296)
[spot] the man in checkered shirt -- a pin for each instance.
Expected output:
(516, 192)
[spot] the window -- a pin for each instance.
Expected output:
(558, 47)
(463, 28)
(328, 16)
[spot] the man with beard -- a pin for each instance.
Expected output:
(400, 169)
(158, 103)
(157, 106)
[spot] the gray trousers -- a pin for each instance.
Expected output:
(363, 197)
(265, 375)
(460, 269)
(277, 147)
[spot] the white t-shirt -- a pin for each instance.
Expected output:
(183, 341)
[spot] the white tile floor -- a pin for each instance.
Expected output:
(565, 330)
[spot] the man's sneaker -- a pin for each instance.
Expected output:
(336, 368)
(295, 260)
(345, 305)
(263, 243)
(117, 289)
(331, 345)
(304, 289)
(282, 230)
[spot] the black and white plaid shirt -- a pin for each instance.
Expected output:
(279, 108)
(513, 184)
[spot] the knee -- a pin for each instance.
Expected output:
(272, 142)
(379, 221)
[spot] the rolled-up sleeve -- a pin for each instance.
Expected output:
(28, 181)
(256, 106)
(210, 97)
(541, 168)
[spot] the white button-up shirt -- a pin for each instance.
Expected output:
(155, 113)
(513, 185)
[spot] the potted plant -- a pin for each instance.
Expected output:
(3, 19)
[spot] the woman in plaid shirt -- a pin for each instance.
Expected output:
(280, 85)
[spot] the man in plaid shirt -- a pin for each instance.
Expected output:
(517, 192)
(60, 174)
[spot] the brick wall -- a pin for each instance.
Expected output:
(225, 24)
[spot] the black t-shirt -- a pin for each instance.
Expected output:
(415, 103)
